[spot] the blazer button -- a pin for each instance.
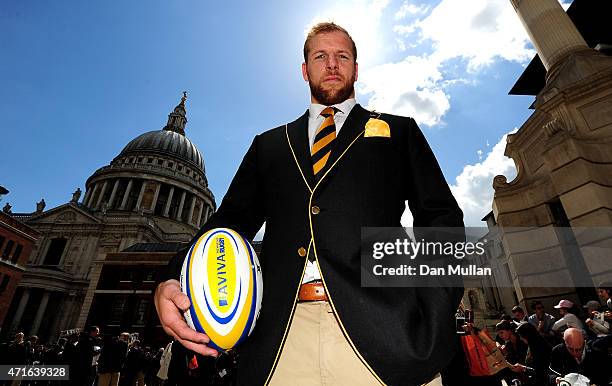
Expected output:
(302, 252)
(315, 210)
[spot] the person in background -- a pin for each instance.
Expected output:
(597, 325)
(538, 355)
(574, 355)
(518, 315)
(605, 293)
(542, 321)
(568, 318)
(513, 348)
(112, 359)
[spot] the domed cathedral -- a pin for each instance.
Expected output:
(136, 213)
(160, 176)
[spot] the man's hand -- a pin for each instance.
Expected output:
(170, 302)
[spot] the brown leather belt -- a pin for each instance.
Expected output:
(312, 292)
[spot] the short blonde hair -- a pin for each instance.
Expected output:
(326, 27)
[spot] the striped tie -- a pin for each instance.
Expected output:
(324, 139)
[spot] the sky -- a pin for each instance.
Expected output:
(81, 79)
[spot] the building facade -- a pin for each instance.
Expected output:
(16, 243)
(154, 191)
(563, 156)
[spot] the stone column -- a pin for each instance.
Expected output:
(113, 192)
(91, 196)
(97, 205)
(181, 204)
(206, 213)
(167, 208)
(155, 197)
(142, 190)
(193, 201)
(126, 194)
(87, 194)
(550, 29)
(25, 296)
(42, 307)
(199, 215)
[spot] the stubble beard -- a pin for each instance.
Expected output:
(332, 96)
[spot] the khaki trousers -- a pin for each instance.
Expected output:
(108, 379)
(316, 353)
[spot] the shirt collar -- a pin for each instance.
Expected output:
(341, 108)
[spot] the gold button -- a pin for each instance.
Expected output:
(302, 251)
(315, 210)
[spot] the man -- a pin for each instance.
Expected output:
(568, 319)
(605, 293)
(542, 321)
(575, 356)
(518, 315)
(84, 364)
(112, 358)
(316, 181)
(514, 349)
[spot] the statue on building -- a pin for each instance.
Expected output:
(40, 206)
(76, 195)
(7, 208)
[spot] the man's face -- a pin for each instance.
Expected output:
(603, 294)
(504, 334)
(575, 347)
(518, 315)
(330, 69)
(539, 310)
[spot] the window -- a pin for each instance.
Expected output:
(55, 251)
(8, 249)
(170, 164)
(141, 311)
(179, 168)
(159, 162)
(149, 160)
(116, 311)
(4, 282)
(17, 253)
(2, 238)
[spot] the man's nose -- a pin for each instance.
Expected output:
(332, 62)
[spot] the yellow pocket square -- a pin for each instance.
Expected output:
(377, 128)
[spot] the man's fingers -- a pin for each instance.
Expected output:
(181, 300)
(183, 331)
(199, 348)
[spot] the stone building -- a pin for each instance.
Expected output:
(154, 191)
(563, 156)
(16, 242)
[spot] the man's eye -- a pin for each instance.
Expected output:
(320, 56)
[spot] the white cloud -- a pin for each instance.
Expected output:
(361, 18)
(411, 87)
(409, 9)
(476, 30)
(473, 186)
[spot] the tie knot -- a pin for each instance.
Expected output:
(328, 111)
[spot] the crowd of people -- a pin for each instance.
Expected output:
(541, 348)
(93, 360)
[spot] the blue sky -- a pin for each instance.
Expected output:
(81, 79)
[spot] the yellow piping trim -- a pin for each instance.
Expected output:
(280, 348)
(348, 338)
(295, 159)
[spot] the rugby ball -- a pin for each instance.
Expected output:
(221, 275)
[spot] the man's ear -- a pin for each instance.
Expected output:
(356, 71)
(305, 71)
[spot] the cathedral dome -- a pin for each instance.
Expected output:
(165, 142)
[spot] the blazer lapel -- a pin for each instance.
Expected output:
(297, 132)
(352, 127)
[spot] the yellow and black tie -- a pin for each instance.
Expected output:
(324, 139)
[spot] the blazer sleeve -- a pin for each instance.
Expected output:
(430, 200)
(241, 209)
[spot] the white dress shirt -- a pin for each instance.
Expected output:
(315, 119)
